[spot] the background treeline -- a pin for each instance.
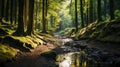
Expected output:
(48, 15)
(30, 15)
(84, 12)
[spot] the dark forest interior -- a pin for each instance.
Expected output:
(59, 33)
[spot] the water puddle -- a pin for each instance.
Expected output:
(72, 59)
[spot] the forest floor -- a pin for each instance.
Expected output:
(34, 58)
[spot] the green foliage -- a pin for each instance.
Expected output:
(117, 14)
(53, 9)
(66, 31)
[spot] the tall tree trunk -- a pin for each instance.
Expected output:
(99, 10)
(51, 21)
(7, 10)
(105, 8)
(72, 14)
(76, 18)
(112, 10)
(90, 11)
(36, 15)
(26, 8)
(87, 15)
(11, 11)
(16, 11)
(43, 17)
(20, 28)
(2, 9)
(46, 11)
(30, 23)
(81, 10)
(94, 11)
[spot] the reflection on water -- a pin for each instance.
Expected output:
(76, 54)
(73, 59)
(64, 60)
(79, 59)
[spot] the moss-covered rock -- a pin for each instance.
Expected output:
(7, 53)
(104, 31)
(23, 43)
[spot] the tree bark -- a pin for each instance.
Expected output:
(2, 9)
(76, 18)
(11, 11)
(30, 23)
(20, 28)
(43, 17)
(81, 10)
(112, 10)
(7, 10)
(99, 10)
(90, 11)
(16, 11)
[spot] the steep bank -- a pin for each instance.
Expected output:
(10, 45)
(104, 31)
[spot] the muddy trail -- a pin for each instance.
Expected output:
(69, 53)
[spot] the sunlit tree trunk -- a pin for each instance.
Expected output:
(30, 21)
(43, 17)
(72, 13)
(46, 13)
(87, 14)
(26, 8)
(36, 12)
(76, 18)
(112, 10)
(81, 10)
(90, 11)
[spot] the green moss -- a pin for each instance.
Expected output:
(103, 31)
(7, 52)
(94, 35)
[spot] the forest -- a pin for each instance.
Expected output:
(59, 33)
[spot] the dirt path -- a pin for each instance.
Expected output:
(32, 59)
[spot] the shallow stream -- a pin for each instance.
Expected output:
(76, 54)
